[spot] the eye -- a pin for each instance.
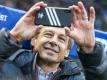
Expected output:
(48, 35)
(62, 39)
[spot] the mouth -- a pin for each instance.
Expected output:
(47, 48)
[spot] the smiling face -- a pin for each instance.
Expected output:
(52, 44)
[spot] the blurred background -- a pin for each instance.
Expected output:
(100, 7)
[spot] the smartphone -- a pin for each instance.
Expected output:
(54, 16)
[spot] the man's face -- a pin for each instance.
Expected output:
(52, 44)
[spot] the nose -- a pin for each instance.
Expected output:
(54, 41)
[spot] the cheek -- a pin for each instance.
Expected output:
(63, 47)
(38, 44)
(64, 50)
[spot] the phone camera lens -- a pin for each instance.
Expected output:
(67, 11)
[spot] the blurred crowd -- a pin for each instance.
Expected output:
(100, 7)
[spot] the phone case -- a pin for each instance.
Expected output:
(54, 16)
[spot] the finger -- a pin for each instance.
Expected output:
(36, 7)
(74, 20)
(68, 32)
(39, 27)
(77, 11)
(92, 14)
(72, 27)
(83, 10)
(41, 3)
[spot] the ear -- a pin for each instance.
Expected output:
(33, 41)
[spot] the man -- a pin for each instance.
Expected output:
(50, 46)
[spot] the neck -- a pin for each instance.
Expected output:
(47, 66)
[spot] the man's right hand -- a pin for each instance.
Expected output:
(25, 28)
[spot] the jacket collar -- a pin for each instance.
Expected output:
(69, 67)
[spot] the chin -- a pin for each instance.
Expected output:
(51, 60)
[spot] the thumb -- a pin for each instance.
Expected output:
(68, 32)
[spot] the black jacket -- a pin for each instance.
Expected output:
(95, 64)
(19, 64)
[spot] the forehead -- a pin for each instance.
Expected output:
(55, 30)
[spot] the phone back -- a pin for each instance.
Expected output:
(54, 16)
